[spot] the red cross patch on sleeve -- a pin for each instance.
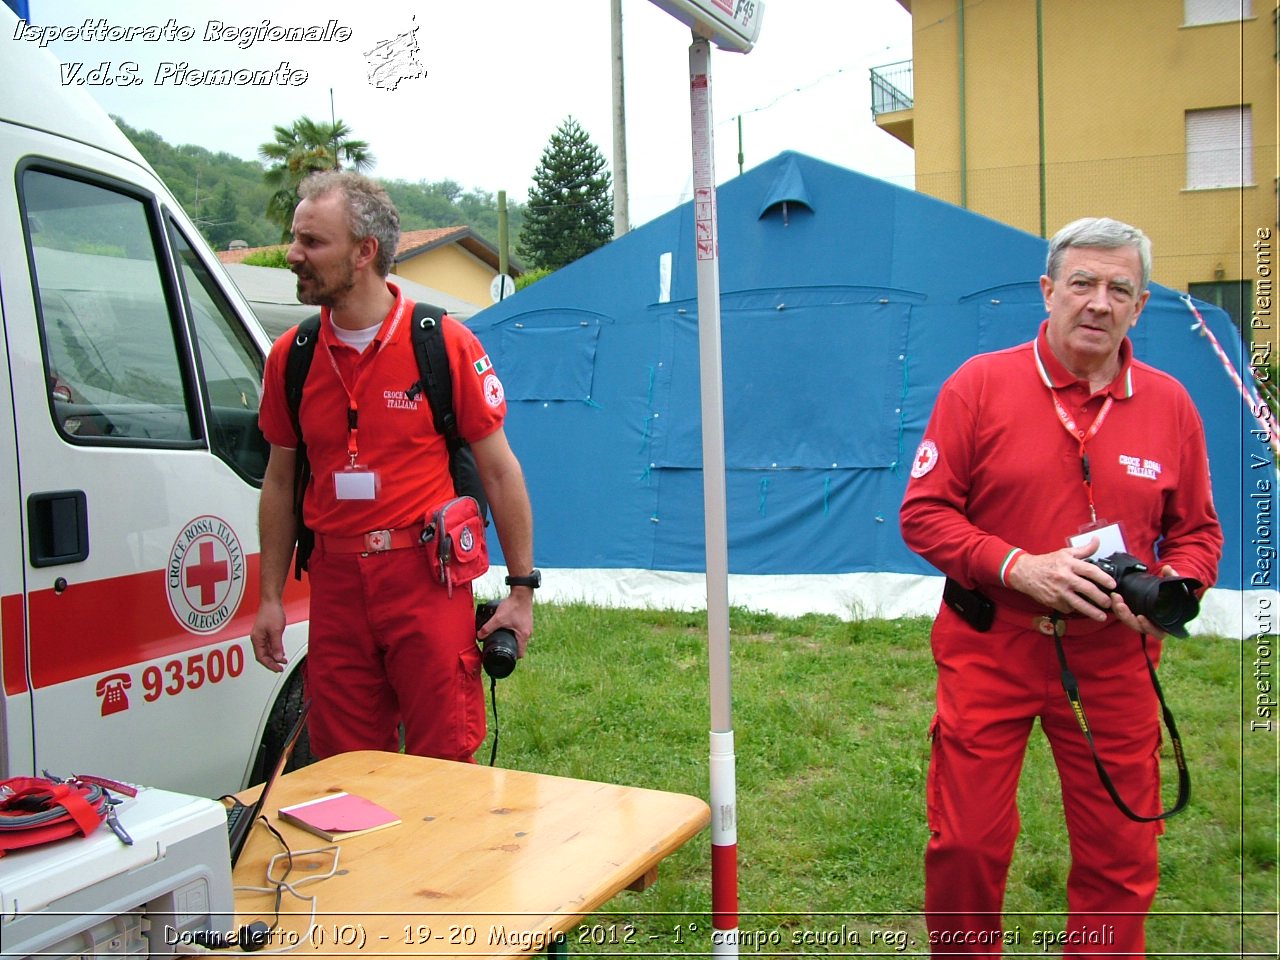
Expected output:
(926, 458)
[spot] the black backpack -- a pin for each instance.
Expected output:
(436, 381)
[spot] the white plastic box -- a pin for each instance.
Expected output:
(94, 895)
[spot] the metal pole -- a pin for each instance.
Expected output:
(724, 816)
(741, 156)
(503, 258)
(1044, 220)
(620, 197)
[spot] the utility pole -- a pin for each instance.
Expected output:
(503, 263)
(620, 217)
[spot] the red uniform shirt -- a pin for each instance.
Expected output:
(395, 436)
(997, 471)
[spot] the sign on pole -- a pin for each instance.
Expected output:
(501, 287)
(731, 25)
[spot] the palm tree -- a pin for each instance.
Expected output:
(303, 148)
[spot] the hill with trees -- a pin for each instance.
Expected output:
(228, 197)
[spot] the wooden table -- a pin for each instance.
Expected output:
(486, 861)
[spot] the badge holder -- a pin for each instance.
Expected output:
(1110, 538)
(356, 483)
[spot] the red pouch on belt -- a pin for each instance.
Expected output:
(460, 553)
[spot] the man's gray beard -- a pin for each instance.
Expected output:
(331, 297)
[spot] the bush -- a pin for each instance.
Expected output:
(530, 277)
(269, 257)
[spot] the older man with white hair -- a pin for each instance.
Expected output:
(1037, 460)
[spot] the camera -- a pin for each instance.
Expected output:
(499, 652)
(1168, 602)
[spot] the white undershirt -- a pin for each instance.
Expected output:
(357, 338)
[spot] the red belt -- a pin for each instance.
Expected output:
(375, 541)
(1074, 624)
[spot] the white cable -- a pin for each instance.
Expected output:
(278, 885)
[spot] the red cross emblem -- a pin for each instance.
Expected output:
(207, 573)
(926, 458)
(493, 392)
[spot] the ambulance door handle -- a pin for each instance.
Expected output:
(58, 527)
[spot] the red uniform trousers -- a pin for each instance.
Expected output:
(387, 645)
(991, 686)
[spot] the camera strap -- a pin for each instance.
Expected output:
(1072, 688)
(493, 701)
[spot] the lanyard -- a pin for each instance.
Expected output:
(362, 370)
(1083, 437)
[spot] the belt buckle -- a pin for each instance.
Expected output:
(1051, 626)
(377, 541)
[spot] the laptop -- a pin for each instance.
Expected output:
(241, 816)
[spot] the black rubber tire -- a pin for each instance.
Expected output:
(284, 713)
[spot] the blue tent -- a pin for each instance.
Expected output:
(846, 301)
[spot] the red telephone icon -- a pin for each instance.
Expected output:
(111, 689)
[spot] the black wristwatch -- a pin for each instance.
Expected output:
(533, 580)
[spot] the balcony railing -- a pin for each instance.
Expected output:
(892, 88)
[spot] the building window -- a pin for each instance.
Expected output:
(1197, 12)
(1219, 148)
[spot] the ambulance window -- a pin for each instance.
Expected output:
(230, 366)
(110, 354)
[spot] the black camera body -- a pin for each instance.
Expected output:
(1168, 602)
(499, 651)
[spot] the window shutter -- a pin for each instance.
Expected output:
(1196, 12)
(1219, 148)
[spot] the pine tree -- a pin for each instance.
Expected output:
(570, 209)
(221, 223)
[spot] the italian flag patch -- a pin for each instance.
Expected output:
(483, 364)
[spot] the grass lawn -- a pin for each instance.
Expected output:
(830, 722)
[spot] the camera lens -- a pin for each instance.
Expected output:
(500, 654)
(1168, 602)
(1173, 605)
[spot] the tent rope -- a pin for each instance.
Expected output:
(1247, 393)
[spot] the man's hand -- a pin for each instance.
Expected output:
(267, 636)
(1140, 624)
(516, 614)
(1065, 581)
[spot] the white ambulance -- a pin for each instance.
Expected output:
(130, 465)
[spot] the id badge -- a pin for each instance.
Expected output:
(355, 483)
(1110, 539)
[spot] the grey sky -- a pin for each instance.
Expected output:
(499, 78)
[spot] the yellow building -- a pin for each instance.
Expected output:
(456, 260)
(450, 260)
(1162, 113)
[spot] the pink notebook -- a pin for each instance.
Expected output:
(336, 816)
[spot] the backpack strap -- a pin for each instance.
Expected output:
(437, 383)
(433, 366)
(297, 365)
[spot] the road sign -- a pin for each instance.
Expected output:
(501, 287)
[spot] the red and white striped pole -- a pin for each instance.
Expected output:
(724, 816)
